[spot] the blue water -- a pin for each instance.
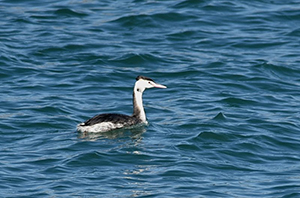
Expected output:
(227, 126)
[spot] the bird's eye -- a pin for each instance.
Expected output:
(138, 89)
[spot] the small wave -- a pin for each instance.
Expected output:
(237, 102)
(69, 13)
(135, 21)
(151, 21)
(136, 58)
(294, 33)
(220, 117)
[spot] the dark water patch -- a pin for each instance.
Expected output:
(280, 143)
(280, 71)
(136, 21)
(177, 174)
(238, 102)
(22, 21)
(187, 146)
(45, 17)
(136, 58)
(151, 21)
(190, 3)
(173, 17)
(69, 13)
(257, 44)
(289, 15)
(183, 34)
(91, 159)
(186, 36)
(185, 75)
(294, 33)
(54, 50)
(74, 47)
(207, 136)
(222, 7)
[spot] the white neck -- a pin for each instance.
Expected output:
(138, 109)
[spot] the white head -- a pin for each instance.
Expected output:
(143, 83)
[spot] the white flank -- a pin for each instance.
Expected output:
(98, 128)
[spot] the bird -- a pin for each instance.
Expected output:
(111, 121)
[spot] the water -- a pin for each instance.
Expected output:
(227, 126)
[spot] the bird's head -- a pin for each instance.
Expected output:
(143, 83)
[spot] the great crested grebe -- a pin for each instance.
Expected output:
(111, 121)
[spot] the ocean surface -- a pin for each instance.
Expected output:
(228, 125)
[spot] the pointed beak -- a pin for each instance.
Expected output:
(158, 85)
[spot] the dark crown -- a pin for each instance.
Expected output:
(144, 78)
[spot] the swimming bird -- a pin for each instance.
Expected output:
(111, 121)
